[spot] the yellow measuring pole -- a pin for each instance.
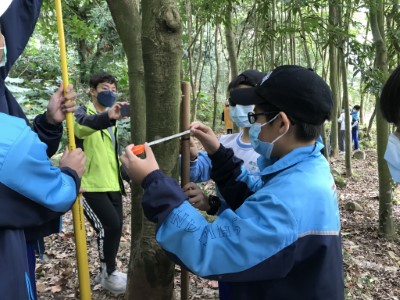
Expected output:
(77, 209)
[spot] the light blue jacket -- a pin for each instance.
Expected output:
(282, 242)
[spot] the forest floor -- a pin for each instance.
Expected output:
(371, 263)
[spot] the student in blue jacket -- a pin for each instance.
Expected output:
(33, 192)
(355, 119)
(284, 241)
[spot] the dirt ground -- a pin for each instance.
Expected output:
(371, 263)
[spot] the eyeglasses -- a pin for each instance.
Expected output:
(252, 116)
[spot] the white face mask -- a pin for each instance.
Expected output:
(239, 114)
(392, 157)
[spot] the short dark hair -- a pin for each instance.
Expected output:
(357, 107)
(307, 132)
(96, 79)
(389, 100)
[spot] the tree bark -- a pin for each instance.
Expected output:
(386, 226)
(217, 75)
(230, 42)
(333, 78)
(151, 273)
(127, 20)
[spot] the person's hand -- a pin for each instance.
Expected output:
(60, 104)
(138, 168)
(75, 160)
(196, 197)
(114, 113)
(193, 149)
(206, 136)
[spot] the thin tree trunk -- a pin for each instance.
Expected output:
(273, 27)
(304, 36)
(371, 122)
(217, 74)
(333, 75)
(386, 226)
(349, 171)
(129, 30)
(230, 41)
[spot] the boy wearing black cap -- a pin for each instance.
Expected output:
(200, 163)
(284, 241)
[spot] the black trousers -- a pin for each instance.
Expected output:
(342, 138)
(104, 212)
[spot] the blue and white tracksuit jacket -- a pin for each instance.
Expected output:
(283, 242)
(33, 192)
(30, 205)
(200, 169)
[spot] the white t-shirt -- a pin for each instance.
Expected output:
(342, 121)
(242, 150)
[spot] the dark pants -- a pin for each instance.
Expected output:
(342, 137)
(30, 249)
(354, 136)
(104, 212)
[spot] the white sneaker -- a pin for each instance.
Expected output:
(115, 282)
(97, 279)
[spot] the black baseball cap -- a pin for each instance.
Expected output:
(295, 90)
(248, 77)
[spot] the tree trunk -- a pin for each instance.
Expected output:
(126, 17)
(217, 74)
(371, 122)
(386, 226)
(292, 39)
(348, 145)
(304, 37)
(344, 17)
(230, 42)
(151, 271)
(273, 28)
(333, 75)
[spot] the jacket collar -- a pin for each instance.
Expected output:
(295, 156)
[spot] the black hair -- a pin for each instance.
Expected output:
(304, 132)
(96, 79)
(357, 107)
(307, 132)
(389, 100)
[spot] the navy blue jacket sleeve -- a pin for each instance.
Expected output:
(17, 25)
(226, 167)
(97, 121)
(158, 202)
(48, 133)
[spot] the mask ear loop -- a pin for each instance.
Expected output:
(282, 133)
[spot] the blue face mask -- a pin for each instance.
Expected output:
(239, 115)
(392, 157)
(106, 98)
(262, 148)
(4, 59)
